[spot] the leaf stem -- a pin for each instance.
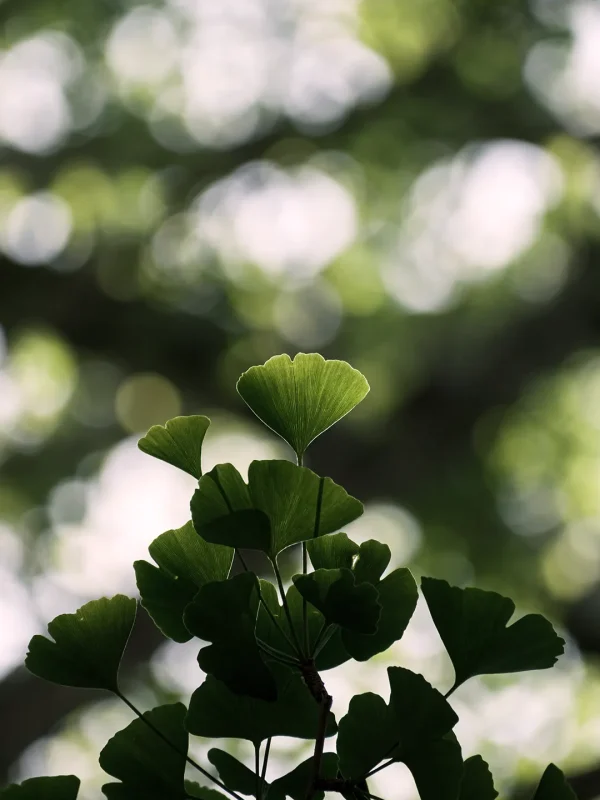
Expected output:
(189, 760)
(257, 768)
(277, 654)
(263, 774)
(286, 607)
(316, 687)
(321, 633)
(272, 616)
(381, 766)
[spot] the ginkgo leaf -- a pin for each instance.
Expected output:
(216, 712)
(283, 504)
(148, 756)
(554, 786)
(185, 563)
(341, 601)
(224, 613)
(416, 718)
(437, 768)
(301, 399)
(332, 552)
(477, 781)
(87, 646)
(233, 773)
(178, 442)
(472, 624)
(59, 787)
(294, 783)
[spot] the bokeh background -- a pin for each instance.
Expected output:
(188, 187)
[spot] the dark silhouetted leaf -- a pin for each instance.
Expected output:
(203, 792)
(301, 399)
(398, 595)
(437, 768)
(232, 772)
(223, 511)
(472, 625)
(373, 559)
(417, 717)
(336, 551)
(87, 646)
(185, 563)
(225, 613)
(554, 786)
(142, 760)
(178, 442)
(215, 712)
(278, 508)
(360, 753)
(335, 594)
(60, 787)
(477, 781)
(295, 783)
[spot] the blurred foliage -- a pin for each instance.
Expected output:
(187, 188)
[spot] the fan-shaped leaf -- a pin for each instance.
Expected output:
(216, 712)
(87, 646)
(472, 625)
(553, 786)
(282, 505)
(178, 442)
(301, 399)
(233, 773)
(341, 601)
(185, 563)
(477, 781)
(225, 613)
(336, 551)
(147, 766)
(59, 787)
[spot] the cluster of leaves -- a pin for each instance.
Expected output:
(265, 646)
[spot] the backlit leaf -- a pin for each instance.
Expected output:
(185, 563)
(301, 399)
(477, 781)
(141, 759)
(224, 613)
(553, 786)
(59, 787)
(335, 551)
(472, 625)
(216, 712)
(178, 442)
(341, 601)
(87, 647)
(283, 504)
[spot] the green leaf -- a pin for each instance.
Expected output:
(215, 712)
(554, 786)
(336, 551)
(477, 781)
(87, 646)
(373, 559)
(360, 753)
(203, 792)
(301, 399)
(398, 595)
(233, 773)
(422, 713)
(437, 769)
(142, 760)
(186, 562)
(223, 511)
(59, 787)
(178, 442)
(472, 625)
(225, 613)
(295, 783)
(333, 653)
(282, 505)
(334, 593)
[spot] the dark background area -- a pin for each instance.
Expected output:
(188, 188)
